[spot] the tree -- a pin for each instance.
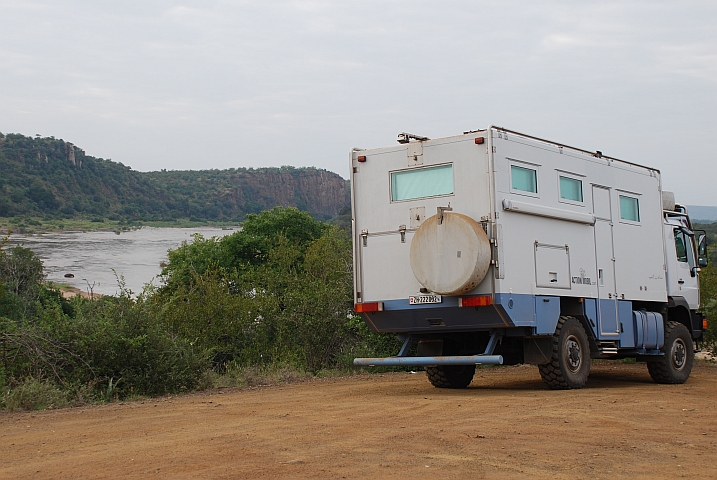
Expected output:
(21, 277)
(246, 248)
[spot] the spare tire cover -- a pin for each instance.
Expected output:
(452, 257)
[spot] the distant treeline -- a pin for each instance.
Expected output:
(51, 178)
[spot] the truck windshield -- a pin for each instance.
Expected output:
(422, 182)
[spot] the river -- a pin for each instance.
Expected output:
(91, 257)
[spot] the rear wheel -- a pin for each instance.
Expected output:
(451, 376)
(676, 365)
(569, 365)
(446, 376)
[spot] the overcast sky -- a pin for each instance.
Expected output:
(221, 84)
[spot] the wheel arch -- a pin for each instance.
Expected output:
(678, 311)
(575, 307)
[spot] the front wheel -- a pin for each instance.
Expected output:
(676, 365)
(569, 365)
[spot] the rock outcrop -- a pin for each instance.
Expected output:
(63, 180)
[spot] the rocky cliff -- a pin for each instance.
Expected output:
(48, 176)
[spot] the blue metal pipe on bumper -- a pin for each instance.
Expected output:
(429, 361)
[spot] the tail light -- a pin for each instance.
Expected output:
(704, 324)
(479, 301)
(368, 307)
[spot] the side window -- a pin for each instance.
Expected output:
(571, 189)
(523, 179)
(629, 208)
(680, 245)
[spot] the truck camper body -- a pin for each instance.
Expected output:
(499, 247)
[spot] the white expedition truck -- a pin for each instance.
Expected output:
(495, 247)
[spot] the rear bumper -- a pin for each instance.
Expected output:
(429, 320)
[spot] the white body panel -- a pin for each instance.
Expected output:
(383, 266)
(628, 266)
(543, 244)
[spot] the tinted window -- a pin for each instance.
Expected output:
(681, 245)
(421, 183)
(523, 179)
(629, 208)
(571, 189)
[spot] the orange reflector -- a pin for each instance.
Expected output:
(361, 158)
(481, 301)
(704, 324)
(480, 140)
(368, 307)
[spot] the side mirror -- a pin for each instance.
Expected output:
(701, 243)
(701, 237)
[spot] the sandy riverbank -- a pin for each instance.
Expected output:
(69, 292)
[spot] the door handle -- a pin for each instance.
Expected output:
(680, 281)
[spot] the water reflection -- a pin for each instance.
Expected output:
(91, 256)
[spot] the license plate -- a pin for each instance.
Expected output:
(421, 299)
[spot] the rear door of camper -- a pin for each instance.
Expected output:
(394, 190)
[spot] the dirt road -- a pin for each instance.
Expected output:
(506, 425)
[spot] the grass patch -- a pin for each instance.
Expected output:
(34, 394)
(251, 376)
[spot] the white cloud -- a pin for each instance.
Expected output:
(162, 84)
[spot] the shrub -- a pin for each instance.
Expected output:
(34, 394)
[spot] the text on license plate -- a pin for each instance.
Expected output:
(421, 299)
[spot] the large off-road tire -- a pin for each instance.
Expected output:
(569, 366)
(676, 365)
(451, 376)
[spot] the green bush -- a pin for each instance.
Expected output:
(33, 394)
(272, 302)
(708, 294)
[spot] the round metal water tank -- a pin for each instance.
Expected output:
(452, 257)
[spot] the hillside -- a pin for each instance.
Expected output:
(48, 177)
(701, 212)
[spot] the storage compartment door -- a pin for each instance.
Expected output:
(552, 266)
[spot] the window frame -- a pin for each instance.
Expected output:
(678, 233)
(525, 166)
(571, 176)
(631, 196)
(687, 243)
(422, 167)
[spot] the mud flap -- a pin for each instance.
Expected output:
(537, 350)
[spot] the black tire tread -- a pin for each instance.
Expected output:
(551, 373)
(449, 376)
(659, 370)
